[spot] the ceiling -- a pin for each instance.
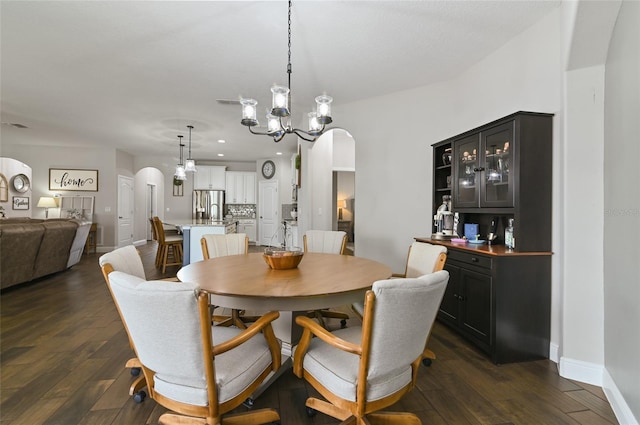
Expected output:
(134, 74)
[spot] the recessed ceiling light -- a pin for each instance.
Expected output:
(222, 141)
(278, 153)
(220, 154)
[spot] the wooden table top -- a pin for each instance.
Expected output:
(317, 275)
(493, 250)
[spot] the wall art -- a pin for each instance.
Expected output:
(73, 180)
(20, 202)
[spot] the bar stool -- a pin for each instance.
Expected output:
(166, 244)
(92, 239)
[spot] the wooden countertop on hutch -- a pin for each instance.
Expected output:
(496, 250)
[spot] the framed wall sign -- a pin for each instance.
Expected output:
(20, 202)
(73, 180)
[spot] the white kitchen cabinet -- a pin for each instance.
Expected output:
(240, 187)
(210, 177)
(249, 228)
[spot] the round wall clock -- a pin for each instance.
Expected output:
(20, 183)
(268, 169)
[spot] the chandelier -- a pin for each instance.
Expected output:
(190, 164)
(180, 174)
(278, 121)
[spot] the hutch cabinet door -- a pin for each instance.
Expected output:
(466, 184)
(497, 178)
(450, 306)
(476, 314)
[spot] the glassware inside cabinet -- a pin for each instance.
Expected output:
(466, 152)
(498, 148)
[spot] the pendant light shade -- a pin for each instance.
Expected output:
(190, 164)
(180, 173)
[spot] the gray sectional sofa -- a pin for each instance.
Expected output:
(32, 248)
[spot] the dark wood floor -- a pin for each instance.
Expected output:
(64, 347)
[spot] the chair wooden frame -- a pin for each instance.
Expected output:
(359, 412)
(213, 412)
(164, 246)
(319, 315)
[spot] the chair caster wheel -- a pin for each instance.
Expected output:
(248, 403)
(311, 412)
(135, 371)
(427, 362)
(139, 396)
(343, 324)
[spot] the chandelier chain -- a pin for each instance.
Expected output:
(289, 46)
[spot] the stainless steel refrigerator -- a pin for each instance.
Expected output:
(208, 205)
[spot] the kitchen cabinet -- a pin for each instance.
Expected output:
(501, 169)
(210, 178)
(240, 187)
(248, 227)
(499, 300)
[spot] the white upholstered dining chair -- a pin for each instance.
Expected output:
(127, 259)
(214, 246)
(423, 258)
(199, 371)
(327, 242)
(363, 369)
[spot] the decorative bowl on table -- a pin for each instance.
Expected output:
(283, 258)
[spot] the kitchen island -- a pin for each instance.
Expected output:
(192, 232)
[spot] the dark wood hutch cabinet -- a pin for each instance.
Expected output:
(499, 299)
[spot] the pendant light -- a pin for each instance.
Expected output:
(180, 174)
(190, 164)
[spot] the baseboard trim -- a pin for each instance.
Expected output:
(553, 352)
(616, 400)
(590, 373)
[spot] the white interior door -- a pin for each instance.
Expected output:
(268, 213)
(125, 211)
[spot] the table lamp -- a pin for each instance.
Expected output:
(46, 203)
(343, 204)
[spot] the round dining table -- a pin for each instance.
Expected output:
(320, 281)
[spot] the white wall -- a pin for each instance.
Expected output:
(10, 167)
(582, 340)
(393, 155)
(622, 216)
(41, 158)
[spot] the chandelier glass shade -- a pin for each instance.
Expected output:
(180, 172)
(278, 123)
(190, 164)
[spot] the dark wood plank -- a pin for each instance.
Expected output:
(64, 347)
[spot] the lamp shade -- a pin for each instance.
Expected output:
(190, 166)
(47, 202)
